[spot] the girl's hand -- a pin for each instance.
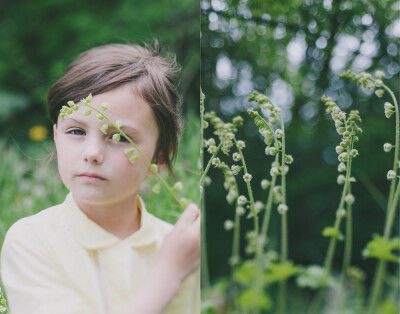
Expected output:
(180, 252)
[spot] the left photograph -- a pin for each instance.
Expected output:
(99, 177)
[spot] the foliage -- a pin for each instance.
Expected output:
(39, 40)
(293, 52)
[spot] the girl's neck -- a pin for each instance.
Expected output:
(121, 220)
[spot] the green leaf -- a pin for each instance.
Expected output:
(332, 232)
(281, 272)
(245, 273)
(313, 277)
(381, 248)
(248, 300)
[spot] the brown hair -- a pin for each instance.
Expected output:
(103, 68)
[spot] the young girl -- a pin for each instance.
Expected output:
(100, 251)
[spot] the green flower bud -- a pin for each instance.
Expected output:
(99, 116)
(241, 144)
(265, 184)
(274, 171)
(388, 113)
(242, 200)
(379, 92)
(178, 186)
(391, 175)
(269, 141)
(342, 157)
(387, 147)
(342, 167)
(118, 123)
(156, 188)
(235, 169)
(388, 106)
(349, 199)
(339, 149)
(379, 74)
(116, 137)
(288, 159)
(104, 106)
(282, 208)
(71, 103)
(153, 168)
(279, 133)
(129, 151)
(216, 162)
(340, 130)
(87, 112)
(236, 156)
(247, 177)
(228, 225)
(88, 99)
(346, 134)
(104, 128)
(133, 159)
(341, 179)
(354, 152)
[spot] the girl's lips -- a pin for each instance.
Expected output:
(91, 177)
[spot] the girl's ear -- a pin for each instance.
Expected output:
(161, 164)
(55, 132)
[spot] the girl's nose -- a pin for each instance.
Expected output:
(94, 152)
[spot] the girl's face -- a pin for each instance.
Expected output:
(92, 165)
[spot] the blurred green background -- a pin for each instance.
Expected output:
(38, 39)
(293, 51)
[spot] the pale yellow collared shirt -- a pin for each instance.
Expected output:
(60, 262)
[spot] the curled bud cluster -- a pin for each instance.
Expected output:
(224, 131)
(346, 127)
(363, 79)
(230, 183)
(366, 80)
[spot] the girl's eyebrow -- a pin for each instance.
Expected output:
(73, 121)
(124, 128)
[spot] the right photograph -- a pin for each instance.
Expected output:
(300, 181)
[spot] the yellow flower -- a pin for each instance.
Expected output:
(37, 133)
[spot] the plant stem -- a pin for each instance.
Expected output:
(209, 164)
(205, 279)
(390, 213)
(381, 267)
(235, 257)
(332, 243)
(284, 231)
(265, 225)
(256, 231)
(396, 149)
(348, 242)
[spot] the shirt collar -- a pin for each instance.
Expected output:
(92, 236)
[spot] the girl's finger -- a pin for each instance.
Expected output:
(189, 215)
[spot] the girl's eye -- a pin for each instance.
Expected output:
(76, 132)
(123, 139)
